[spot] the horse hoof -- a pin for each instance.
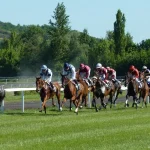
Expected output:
(96, 110)
(60, 109)
(81, 107)
(40, 110)
(76, 110)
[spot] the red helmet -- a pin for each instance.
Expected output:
(131, 68)
(82, 66)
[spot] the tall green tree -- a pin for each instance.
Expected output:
(59, 28)
(119, 33)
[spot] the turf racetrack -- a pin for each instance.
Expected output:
(118, 128)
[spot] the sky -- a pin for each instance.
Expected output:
(97, 16)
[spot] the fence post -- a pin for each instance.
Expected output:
(89, 100)
(22, 101)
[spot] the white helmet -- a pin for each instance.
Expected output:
(44, 67)
(144, 67)
(99, 65)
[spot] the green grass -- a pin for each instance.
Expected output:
(116, 129)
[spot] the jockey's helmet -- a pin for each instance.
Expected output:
(82, 66)
(66, 66)
(44, 68)
(131, 68)
(144, 68)
(99, 65)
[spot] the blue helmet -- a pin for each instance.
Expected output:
(44, 67)
(66, 66)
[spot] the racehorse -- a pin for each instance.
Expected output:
(101, 92)
(2, 95)
(117, 91)
(87, 89)
(132, 90)
(145, 89)
(46, 93)
(71, 92)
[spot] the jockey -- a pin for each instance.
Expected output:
(46, 74)
(84, 72)
(145, 70)
(70, 71)
(147, 73)
(111, 75)
(102, 73)
(133, 73)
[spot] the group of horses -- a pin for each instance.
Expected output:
(78, 95)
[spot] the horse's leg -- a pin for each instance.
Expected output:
(58, 99)
(78, 103)
(116, 97)
(53, 102)
(134, 101)
(111, 97)
(93, 100)
(70, 105)
(95, 105)
(145, 99)
(126, 103)
(62, 104)
(85, 101)
(44, 105)
(102, 103)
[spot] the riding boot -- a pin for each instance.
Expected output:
(76, 83)
(52, 87)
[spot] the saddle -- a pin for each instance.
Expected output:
(77, 84)
(52, 87)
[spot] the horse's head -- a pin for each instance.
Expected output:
(39, 84)
(99, 83)
(64, 79)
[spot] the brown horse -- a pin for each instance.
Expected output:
(71, 92)
(145, 90)
(101, 92)
(87, 89)
(46, 93)
(132, 90)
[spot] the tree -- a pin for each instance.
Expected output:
(58, 31)
(119, 33)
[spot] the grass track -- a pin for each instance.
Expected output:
(116, 129)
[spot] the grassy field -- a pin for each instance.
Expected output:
(116, 129)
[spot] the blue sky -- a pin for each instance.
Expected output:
(97, 16)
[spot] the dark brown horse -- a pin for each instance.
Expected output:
(145, 90)
(101, 92)
(46, 93)
(132, 90)
(71, 92)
